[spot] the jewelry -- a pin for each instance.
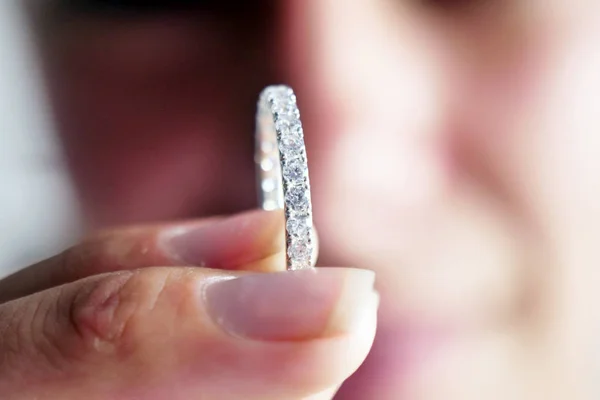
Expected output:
(282, 171)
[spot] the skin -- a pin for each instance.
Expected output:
(452, 149)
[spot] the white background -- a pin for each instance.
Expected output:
(38, 211)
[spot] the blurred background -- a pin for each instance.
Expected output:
(39, 207)
(65, 60)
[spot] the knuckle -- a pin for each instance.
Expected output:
(115, 313)
(100, 311)
(104, 317)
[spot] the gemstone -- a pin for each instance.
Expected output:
(299, 265)
(283, 126)
(299, 251)
(279, 106)
(296, 129)
(290, 145)
(298, 227)
(286, 109)
(287, 124)
(276, 93)
(296, 199)
(293, 170)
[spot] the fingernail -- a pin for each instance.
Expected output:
(228, 242)
(293, 305)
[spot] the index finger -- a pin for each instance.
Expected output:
(252, 241)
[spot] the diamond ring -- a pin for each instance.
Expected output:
(282, 171)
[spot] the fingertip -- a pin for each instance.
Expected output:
(251, 241)
(229, 243)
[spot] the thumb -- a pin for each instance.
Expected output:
(183, 333)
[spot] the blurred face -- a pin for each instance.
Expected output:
(453, 148)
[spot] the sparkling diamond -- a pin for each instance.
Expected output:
(286, 124)
(305, 264)
(280, 91)
(280, 106)
(299, 251)
(291, 146)
(298, 227)
(283, 126)
(286, 110)
(296, 129)
(296, 199)
(293, 170)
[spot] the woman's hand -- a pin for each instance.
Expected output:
(127, 315)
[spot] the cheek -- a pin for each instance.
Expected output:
(545, 154)
(572, 123)
(565, 174)
(375, 188)
(372, 120)
(387, 193)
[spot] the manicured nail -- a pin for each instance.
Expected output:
(294, 305)
(229, 242)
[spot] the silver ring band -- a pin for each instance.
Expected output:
(282, 171)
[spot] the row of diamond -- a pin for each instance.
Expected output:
(294, 171)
